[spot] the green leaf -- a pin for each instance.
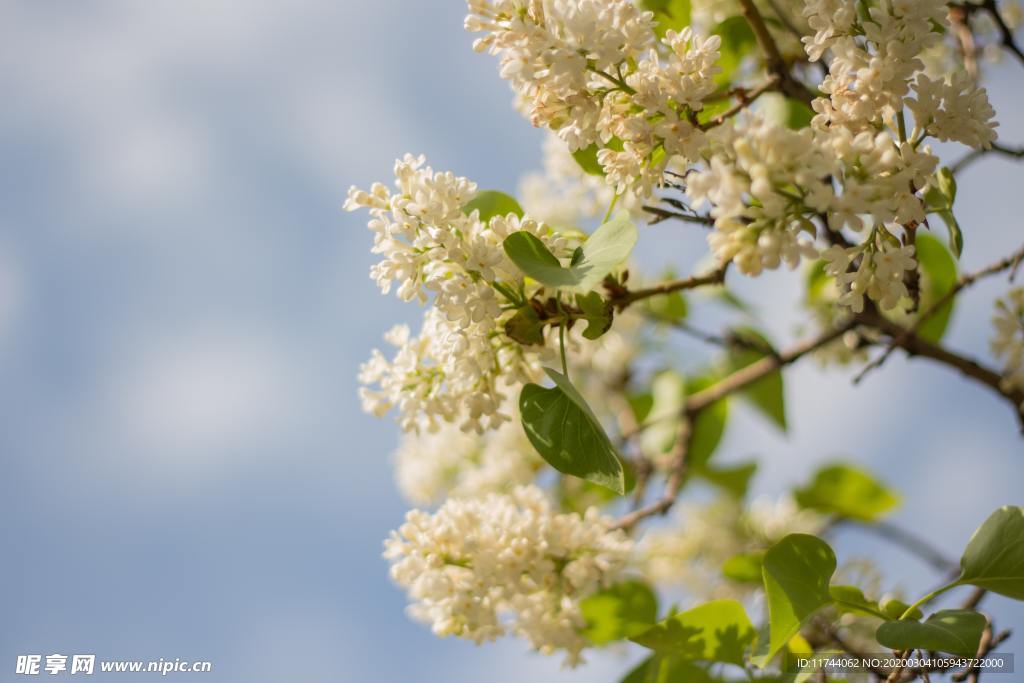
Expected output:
(956, 631)
(619, 612)
(709, 427)
(956, 235)
(587, 159)
(718, 631)
(525, 326)
(605, 250)
(737, 42)
(641, 405)
(744, 568)
(847, 491)
(994, 557)
(734, 480)
(894, 609)
(796, 573)
(768, 393)
(597, 312)
(491, 203)
(568, 435)
(670, 15)
(939, 275)
(667, 669)
(852, 599)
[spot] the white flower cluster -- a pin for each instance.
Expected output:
(879, 275)
(483, 567)
(956, 110)
(591, 70)
(1008, 340)
(453, 463)
(749, 181)
(877, 60)
(453, 370)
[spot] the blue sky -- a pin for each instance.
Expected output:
(183, 308)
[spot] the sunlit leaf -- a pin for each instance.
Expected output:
(956, 631)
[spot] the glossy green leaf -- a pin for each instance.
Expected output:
(734, 480)
(568, 435)
(994, 557)
(670, 308)
(939, 275)
(603, 251)
(619, 612)
(847, 491)
(491, 203)
(596, 312)
(956, 631)
(718, 631)
(744, 568)
(767, 394)
(939, 199)
(796, 572)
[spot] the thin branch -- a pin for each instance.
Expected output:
(1010, 261)
(1005, 32)
(626, 297)
(996, 148)
(776, 64)
(745, 99)
(665, 214)
(916, 346)
(673, 482)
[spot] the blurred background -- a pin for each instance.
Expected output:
(183, 309)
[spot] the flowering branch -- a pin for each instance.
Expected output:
(916, 346)
(1010, 261)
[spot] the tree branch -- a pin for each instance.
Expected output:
(1010, 261)
(996, 148)
(916, 346)
(624, 298)
(776, 64)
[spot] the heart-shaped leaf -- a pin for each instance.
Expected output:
(491, 203)
(618, 612)
(847, 491)
(957, 631)
(568, 435)
(597, 312)
(994, 557)
(603, 251)
(718, 631)
(796, 573)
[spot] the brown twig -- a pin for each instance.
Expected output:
(916, 346)
(996, 148)
(965, 281)
(776, 64)
(673, 482)
(744, 99)
(626, 297)
(1005, 32)
(665, 214)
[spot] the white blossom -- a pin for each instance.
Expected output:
(1008, 337)
(594, 72)
(484, 567)
(954, 109)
